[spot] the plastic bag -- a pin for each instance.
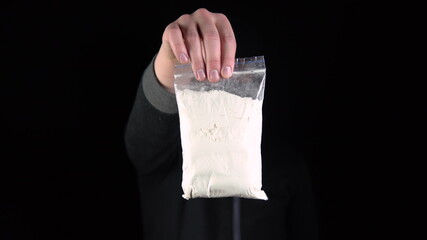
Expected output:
(221, 127)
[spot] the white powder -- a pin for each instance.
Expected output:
(221, 142)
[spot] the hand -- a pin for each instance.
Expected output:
(204, 39)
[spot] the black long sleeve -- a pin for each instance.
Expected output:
(152, 135)
(153, 145)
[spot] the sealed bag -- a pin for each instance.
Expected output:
(221, 127)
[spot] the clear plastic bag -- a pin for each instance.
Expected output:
(221, 127)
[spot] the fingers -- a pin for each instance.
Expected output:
(212, 45)
(228, 45)
(173, 37)
(206, 40)
(194, 45)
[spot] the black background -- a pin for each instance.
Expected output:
(71, 71)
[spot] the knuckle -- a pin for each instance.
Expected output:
(198, 64)
(211, 35)
(214, 62)
(184, 18)
(172, 27)
(229, 37)
(221, 17)
(204, 15)
(202, 11)
(179, 46)
(192, 37)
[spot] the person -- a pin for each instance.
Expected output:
(207, 41)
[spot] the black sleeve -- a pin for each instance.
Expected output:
(152, 133)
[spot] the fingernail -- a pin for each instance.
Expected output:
(214, 76)
(183, 58)
(200, 74)
(226, 72)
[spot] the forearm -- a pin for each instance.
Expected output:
(152, 132)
